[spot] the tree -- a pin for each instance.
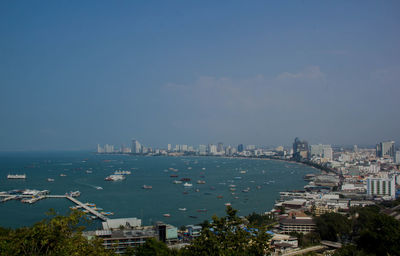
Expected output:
(333, 226)
(151, 247)
(228, 236)
(56, 235)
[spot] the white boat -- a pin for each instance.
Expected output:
(63, 175)
(50, 180)
(182, 209)
(167, 215)
(88, 171)
(99, 188)
(115, 177)
(16, 176)
(228, 204)
(147, 187)
(188, 184)
(177, 181)
(201, 182)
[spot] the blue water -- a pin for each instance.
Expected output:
(127, 198)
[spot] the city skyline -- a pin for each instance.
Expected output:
(75, 74)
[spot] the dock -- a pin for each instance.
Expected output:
(89, 209)
(31, 199)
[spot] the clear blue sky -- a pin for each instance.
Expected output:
(77, 73)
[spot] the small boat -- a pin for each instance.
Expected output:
(177, 182)
(88, 171)
(197, 190)
(203, 168)
(189, 168)
(259, 187)
(63, 175)
(50, 179)
(99, 188)
(173, 175)
(219, 197)
(188, 185)
(147, 187)
(182, 209)
(193, 217)
(243, 172)
(228, 204)
(185, 179)
(238, 178)
(167, 215)
(201, 182)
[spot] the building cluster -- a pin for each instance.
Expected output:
(348, 177)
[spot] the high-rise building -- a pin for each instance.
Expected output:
(136, 147)
(385, 149)
(220, 147)
(397, 157)
(240, 148)
(99, 149)
(320, 150)
(169, 147)
(300, 149)
(202, 149)
(381, 187)
(250, 147)
(212, 149)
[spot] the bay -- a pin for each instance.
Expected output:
(85, 171)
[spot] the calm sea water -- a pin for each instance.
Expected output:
(127, 198)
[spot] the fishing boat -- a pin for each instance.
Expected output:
(182, 209)
(16, 176)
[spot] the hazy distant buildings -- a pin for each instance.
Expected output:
(385, 149)
(397, 157)
(136, 147)
(220, 147)
(169, 147)
(300, 149)
(240, 148)
(324, 151)
(202, 149)
(212, 149)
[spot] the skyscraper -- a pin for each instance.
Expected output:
(220, 147)
(240, 148)
(169, 147)
(136, 147)
(300, 149)
(385, 148)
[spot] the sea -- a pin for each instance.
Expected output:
(257, 183)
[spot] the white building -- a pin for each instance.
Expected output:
(381, 187)
(320, 150)
(136, 147)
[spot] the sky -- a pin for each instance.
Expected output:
(77, 73)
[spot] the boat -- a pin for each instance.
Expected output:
(219, 196)
(167, 215)
(201, 182)
(177, 181)
(89, 171)
(182, 209)
(90, 204)
(173, 175)
(16, 176)
(246, 190)
(203, 168)
(197, 190)
(189, 168)
(238, 178)
(50, 180)
(232, 189)
(185, 179)
(119, 172)
(63, 175)
(74, 193)
(258, 187)
(228, 204)
(147, 187)
(193, 217)
(115, 177)
(187, 185)
(243, 172)
(99, 188)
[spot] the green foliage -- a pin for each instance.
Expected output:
(258, 220)
(333, 226)
(226, 236)
(307, 240)
(57, 235)
(152, 247)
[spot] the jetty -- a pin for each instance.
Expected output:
(86, 207)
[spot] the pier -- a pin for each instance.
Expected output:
(92, 211)
(32, 199)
